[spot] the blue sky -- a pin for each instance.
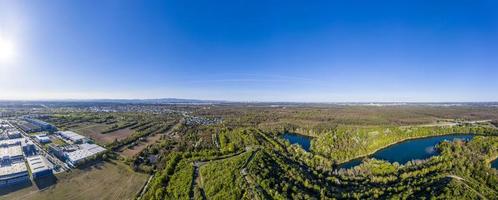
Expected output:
(266, 50)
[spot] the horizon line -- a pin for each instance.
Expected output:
(228, 101)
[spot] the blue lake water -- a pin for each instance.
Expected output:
(494, 164)
(405, 151)
(303, 141)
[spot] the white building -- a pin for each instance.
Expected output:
(13, 173)
(42, 138)
(83, 152)
(72, 136)
(11, 150)
(38, 166)
(11, 153)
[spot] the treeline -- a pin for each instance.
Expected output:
(159, 182)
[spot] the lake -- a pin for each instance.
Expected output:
(303, 141)
(494, 164)
(405, 151)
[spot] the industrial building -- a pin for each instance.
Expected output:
(13, 173)
(10, 153)
(9, 134)
(12, 167)
(37, 125)
(38, 166)
(75, 154)
(13, 152)
(42, 138)
(12, 134)
(82, 152)
(28, 148)
(72, 136)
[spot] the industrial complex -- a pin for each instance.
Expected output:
(28, 153)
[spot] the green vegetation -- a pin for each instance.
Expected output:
(222, 179)
(180, 182)
(344, 143)
(245, 157)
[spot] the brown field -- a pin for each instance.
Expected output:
(102, 180)
(140, 146)
(124, 151)
(95, 132)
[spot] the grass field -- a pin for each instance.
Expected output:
(94, 131)
(103, 180)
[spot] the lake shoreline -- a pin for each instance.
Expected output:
(397, 142)
(491, 160)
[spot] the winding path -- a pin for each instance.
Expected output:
(197, 177)
(463, 181)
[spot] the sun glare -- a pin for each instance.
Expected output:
(7, 51)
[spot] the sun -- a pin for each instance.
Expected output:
(7, 51)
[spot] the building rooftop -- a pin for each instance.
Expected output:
(37, 164)
(71, 135)
(10, 142)
(10, 152)
(13, 170)
(84, 151)
(42, 137)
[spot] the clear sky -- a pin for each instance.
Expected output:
(254, 50)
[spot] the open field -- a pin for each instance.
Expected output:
(103, 180)
(151, 139)
(130, 152)
(95, 132)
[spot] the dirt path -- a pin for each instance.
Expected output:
(197, 176)
(254, 186)
(196, 180)
(144, 188)
(463, 181)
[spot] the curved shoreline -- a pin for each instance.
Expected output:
(491, 160)
(397, 142)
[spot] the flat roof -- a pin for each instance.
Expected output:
(84, 151)
(42, 137)
(37, 163)
(13, 170)
(9, 142)
(11, 151)
(71, 135)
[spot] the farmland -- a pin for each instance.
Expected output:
(95, 132)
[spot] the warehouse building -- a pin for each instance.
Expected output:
(14, 134)
(38, 166)
(82, 153)
(11, 153)
(28, 148)
(42, 138)
(39, 125)
(13, 173)
(72, 136)
(12, 167)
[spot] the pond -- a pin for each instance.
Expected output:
(303, 141)
(405, 151)
(494, 164)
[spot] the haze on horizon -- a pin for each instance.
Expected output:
(319, 51)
